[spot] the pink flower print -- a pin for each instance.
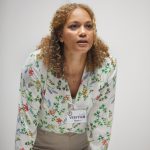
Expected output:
(43, 92)
(58, 120)
(97, 97)
(104, 142)
(25, 106)
(30, 71)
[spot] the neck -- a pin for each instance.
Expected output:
(74, 64)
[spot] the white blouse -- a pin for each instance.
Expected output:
(45, 102)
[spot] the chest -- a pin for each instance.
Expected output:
(74, 85)
(62, 91)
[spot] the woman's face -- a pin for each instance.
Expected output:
(78, 32)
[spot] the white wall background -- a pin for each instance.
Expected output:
(123, 24)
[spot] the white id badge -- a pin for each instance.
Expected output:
(77, 116)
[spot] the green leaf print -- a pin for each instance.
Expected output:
(37, 64)
(29, 98)
(29, 143)
(106, 69)
(61, 129)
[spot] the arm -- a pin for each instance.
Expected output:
(29, 104)
(101, 114)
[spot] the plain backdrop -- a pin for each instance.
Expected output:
(124, 25)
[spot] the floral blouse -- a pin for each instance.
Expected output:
(46, 100)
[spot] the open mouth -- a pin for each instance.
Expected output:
(82, 41)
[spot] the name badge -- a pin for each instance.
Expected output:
(77, 116)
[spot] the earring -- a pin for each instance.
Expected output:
(61, 40)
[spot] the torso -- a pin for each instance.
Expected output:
(74, 84)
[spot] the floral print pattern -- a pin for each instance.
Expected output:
(46, 100)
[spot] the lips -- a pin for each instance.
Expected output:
(82, 41)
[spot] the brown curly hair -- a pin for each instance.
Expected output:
(52, 51)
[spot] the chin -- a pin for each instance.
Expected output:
(85, 50)
(82, 50)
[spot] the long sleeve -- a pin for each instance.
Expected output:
(29, 104)
(101, 114)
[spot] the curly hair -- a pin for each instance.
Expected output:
(52, 51)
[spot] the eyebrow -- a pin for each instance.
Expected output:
(79, 22)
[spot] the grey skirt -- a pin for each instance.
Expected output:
(53, 141)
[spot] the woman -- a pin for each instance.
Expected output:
(67, 87)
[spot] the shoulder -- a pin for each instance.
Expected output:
(33, 57)
(110, 63)
(35, 63)
(108, 67)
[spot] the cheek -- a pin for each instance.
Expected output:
(68, 37)
(91, 37)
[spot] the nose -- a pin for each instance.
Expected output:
(82, 32)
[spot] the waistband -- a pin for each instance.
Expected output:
(60, 134)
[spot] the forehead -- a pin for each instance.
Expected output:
(79, 14)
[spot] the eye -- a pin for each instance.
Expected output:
(89, 26)
(73, 26)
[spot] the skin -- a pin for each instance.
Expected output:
(77, 36)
